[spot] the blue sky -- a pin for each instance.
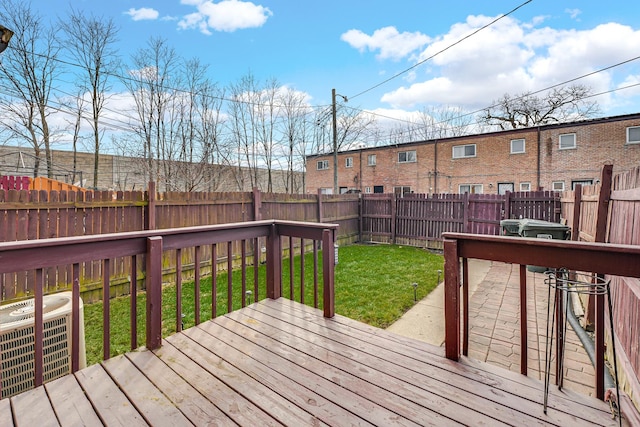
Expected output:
(354, 45)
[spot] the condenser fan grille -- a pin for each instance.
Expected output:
(26, 309)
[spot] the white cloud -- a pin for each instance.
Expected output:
(390, 43)
(226, 15)
(573, 13)
(515, 57)
(143, 14)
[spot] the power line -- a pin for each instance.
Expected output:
(441, 51)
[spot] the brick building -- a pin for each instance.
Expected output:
(553, 157)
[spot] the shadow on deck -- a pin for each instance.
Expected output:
(278, 362)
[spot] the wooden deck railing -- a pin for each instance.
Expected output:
(35, 257)
(598, 258)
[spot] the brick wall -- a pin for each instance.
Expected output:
(598, 142)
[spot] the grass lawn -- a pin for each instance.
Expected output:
(373, 285)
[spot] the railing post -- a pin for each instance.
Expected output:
(451, 299)
(153, 279)
(524, 339)
(274, 264)
(328, 270)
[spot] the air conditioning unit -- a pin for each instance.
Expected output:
(17, 337)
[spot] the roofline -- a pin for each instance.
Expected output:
(478, 135)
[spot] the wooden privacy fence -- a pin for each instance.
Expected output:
(609, 212)
(32, 214)
(421, 219)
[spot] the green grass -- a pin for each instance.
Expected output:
(373, 285)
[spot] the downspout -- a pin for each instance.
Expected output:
(435, 167)
(587, 342)
(538, 162)
(360, 180)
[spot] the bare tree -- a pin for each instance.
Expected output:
(562, 104)
(245, 95)
(152, 83)
(90, 42)
(352, 124)
(294, 129)
(29, 67)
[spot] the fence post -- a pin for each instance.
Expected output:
(257, 204)
(603, 203)
(466, 225)
(151, 206)
(153, 282)
(393, 217)
(577, 208)
(507, 205)
(320, 218)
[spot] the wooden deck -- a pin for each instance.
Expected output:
(278, 362)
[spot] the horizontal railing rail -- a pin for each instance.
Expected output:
(34, 257)
(597, 258)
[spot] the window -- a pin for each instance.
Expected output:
(470, 188)
(517, 146)
(367, 190)
(582, 182)
(343, 190)
(378, 188)
(401, 191)
(503, 187)
(525, 186)
(348, 162)
(326, 191)
(633, 135)
(322, 165)
(407, 156)
(462, 151)
(371, 160)
(557, 185)
(567, 141)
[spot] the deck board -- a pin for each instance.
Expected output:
(6, 417)
(32, 408)
(196, 407)
(486, 381)
(282, 363)
(70, 403)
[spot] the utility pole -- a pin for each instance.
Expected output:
(335, 142)
(335, 139)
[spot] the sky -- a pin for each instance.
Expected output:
(394, 57)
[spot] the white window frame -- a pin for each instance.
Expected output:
(400, 190)
(566, 147)
(636, 130)
(322, 165)
(371, 160)
(525, 186)
(348, 162)
(407, 156)
(474, 187)
(367, 190)
(326, 191)
(557, 185)
(516, 141)
(463, 148)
